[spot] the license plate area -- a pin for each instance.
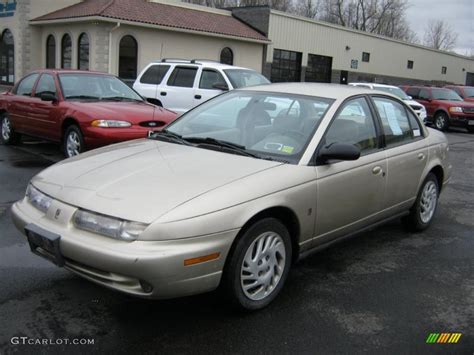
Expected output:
(44, 244)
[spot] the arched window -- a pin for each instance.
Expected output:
(66, 52)
(227, 57)
(7, 58)
(50, 52)
(83, 52)
(128, 53)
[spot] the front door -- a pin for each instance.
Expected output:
(351, 193)
(206, 89)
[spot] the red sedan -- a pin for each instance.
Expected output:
(79, 109)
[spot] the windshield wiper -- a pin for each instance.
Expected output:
(232, 147)
(167, 136)
(119, 98)
(85, 97)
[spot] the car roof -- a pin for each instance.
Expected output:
(71, 71)
(377, 85)
(207, 63)
(334, 91)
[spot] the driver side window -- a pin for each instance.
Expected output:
(354, 124)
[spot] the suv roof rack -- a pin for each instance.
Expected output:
(205, 61)
(176, 60)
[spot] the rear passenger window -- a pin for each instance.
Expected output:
(26, 85)
(413, 92)
(209, 78)
(182, 77)
(154, 74)
(395, 122)
(355, 125)
(424, 94)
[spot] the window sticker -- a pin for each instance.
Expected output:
(392, 118)
(416, 133)
(287, 149)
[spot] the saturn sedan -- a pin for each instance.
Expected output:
(235, 191)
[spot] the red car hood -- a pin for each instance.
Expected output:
(133, 112)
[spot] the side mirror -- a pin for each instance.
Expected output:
(409, 97)
(220, 86)
(48, 96)
(339, 151)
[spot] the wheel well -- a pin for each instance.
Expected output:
(285, 216)
(69, 121)
(439, 173)
(2, 112)
(441, 111)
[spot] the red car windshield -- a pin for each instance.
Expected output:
(96, 87)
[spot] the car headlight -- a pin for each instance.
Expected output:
(455, 109)
(38, 199)
(110, 124)
(108, 226)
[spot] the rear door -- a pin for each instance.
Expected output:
(406, 150)
(149, 82)
(208, 79)
(20, 108)
(178, 93)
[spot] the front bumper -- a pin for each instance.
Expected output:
(149, 269)
(97, 137)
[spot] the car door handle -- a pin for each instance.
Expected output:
(421, 156)
(376, 170)
(163, 93)
(197, 97)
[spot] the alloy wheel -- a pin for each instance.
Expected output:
(6, 129)
(428, 200)
(73, 144)
(440, 122)
(263, 266)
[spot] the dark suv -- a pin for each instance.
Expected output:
(466, 92)
(444, 107)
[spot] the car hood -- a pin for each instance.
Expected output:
(413, 103)
(143, 179)
(133, 112)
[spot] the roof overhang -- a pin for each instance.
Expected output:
(144, 25)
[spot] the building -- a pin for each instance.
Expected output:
(123, 36)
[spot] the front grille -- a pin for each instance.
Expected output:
(468, 109)
(415, 107)
(152, 124)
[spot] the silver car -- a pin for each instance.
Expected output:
(236, 190)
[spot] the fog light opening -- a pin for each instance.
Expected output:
(147, 288)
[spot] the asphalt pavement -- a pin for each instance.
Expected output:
(383, 292)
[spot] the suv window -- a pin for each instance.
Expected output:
(154, 74)
(45, 84)
(413, 92)
(182, 77)
(355, 125)
(424, 94)
(209, 78)
(26, 85)
(395, 122)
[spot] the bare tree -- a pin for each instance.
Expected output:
(440, 35)
(307, 8)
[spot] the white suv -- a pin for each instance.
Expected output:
(395, 90)
(179, 84)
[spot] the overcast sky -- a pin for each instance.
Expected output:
(458, 13)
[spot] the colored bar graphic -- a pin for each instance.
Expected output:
(443, 338)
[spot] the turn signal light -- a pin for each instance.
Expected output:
(201, 259)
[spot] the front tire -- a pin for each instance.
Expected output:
(73, 141)
(470, 129)
(422, 212)
(8, 136)
(258, 266)
(441, 121)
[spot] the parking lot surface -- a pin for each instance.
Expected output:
(382, 292)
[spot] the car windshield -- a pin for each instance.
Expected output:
(96, 87)
(394, 91)
(445, 94)
(469, 92)
(263, 124)
(243, 77)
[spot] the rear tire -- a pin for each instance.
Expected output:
(73, 141)
(441, 121)
(470, 129)
(8, 136)
(258, 266)
(424, 208)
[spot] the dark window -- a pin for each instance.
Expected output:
(286, 66)
(7, 58)
(355, 125)
(227, 56)
(395, 122)
(46, 84)
(66, 52)
(444, 70)
(410, 64)
(154, 74)
(318, 69)
(415, 125)
(128, 53)
(25, 87)
(209, 78)
(50, 52)
(182, 77)
(424, 94)
(83, 52)
(365, 57)
(413, 92)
